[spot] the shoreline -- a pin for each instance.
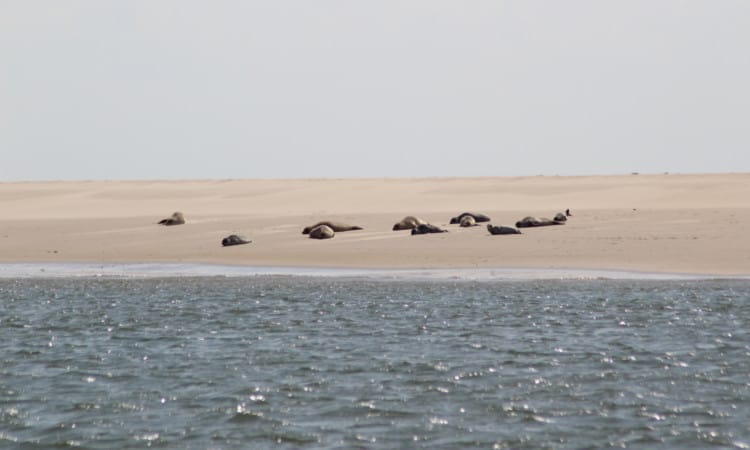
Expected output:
(150, 270)
(675, 224)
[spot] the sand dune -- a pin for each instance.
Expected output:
(656, 223)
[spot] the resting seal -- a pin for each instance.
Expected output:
(560, 217)
(176, 219)
(477, 217)
(335, 226)
(321, 232)
(426, 228)
(408, 223)
(502, 230)
(528, 222)
(468, 221)
(234, 239)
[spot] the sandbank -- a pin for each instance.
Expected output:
(670, 223)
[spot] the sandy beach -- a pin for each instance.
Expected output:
(683, 224)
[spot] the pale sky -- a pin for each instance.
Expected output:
(168, 89)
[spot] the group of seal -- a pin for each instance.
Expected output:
(417, 226)
(468, 219)
(327, 229)
(465, 220)
(177, 218)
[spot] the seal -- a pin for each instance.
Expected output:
(477, 217)
(322, 232)
(560, 217)
(528, 222)
(176, 219)
(408, 223)
(502, 230)
(335, 226)
(468, 221)
(234, 239)
(426, 228)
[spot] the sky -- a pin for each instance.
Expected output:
(189, 89)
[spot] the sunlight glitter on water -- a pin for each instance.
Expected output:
(323, 362)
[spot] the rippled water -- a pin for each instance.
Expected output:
(314, 362)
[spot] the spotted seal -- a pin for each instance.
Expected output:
(408, 223)
(335, 226)
(477, 217)
(321, 232)
(528, 222)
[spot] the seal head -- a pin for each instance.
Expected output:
(468, 221)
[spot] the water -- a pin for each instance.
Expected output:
(294, 362)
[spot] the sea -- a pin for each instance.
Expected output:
(211, 357)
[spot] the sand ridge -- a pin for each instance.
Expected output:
(657, 223)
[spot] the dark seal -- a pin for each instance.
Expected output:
(176, 219)
(529, 222)
(234, 239)
(502, 230)
(427, 228)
